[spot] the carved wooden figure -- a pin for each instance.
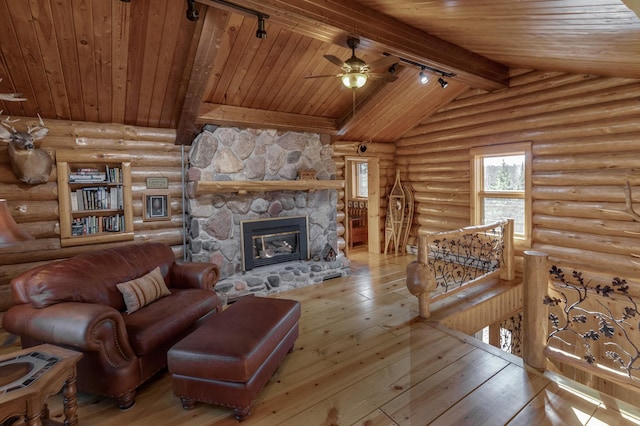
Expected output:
(30, 164)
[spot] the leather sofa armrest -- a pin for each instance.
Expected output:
(194, 275)
(84, 326)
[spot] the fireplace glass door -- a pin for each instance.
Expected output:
(274, 240)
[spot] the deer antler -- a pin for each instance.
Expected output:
(31, 129)
(13, 97)
(6, 122)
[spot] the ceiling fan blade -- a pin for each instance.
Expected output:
(337, 61)
(321, 76)
(387, 61)
(386, 77)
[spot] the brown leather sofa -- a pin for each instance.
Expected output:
(75, 303)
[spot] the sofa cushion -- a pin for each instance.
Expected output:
(144, 290)
(167, 319)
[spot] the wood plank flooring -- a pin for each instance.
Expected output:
(365, 358)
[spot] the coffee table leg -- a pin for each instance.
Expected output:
(70, 402)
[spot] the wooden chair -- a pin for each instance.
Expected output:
(358, 228)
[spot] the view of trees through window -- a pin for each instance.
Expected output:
(504, 173)
(362, 183)
(503, 195)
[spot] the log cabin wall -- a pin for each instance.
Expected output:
(585, 138)
(152, 153)
(384, 152)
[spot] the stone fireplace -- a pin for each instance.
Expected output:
(265, 159)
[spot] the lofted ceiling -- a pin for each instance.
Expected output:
(143, 63)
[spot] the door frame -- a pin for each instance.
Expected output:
(373, 201)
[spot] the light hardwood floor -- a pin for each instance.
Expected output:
(365, 358)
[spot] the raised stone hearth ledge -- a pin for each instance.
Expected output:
(272, 279)
(242, 187)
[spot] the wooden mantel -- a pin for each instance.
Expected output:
(242, 187)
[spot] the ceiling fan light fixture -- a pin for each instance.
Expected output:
(354, 80)
(443, 82)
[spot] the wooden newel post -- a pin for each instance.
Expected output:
(509, 271)
(534, 312)
(423, 298)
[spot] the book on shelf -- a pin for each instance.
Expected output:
(96, 198)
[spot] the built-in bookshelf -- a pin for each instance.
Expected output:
(95, 202)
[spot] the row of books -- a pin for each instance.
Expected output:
(94, 175)
(97, 198)
(96, 224)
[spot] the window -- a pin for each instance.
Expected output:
(501, 186)
(360, 179)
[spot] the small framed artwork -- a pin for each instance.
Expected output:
(156, 205)
(157, 183)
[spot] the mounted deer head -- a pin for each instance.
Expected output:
(30, 164)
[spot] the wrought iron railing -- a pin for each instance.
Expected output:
(578, 322)
(452, 260)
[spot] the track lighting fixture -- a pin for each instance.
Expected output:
(192, 13)
(424, 79)
(125, 1)
(261, 32)
(224, 4)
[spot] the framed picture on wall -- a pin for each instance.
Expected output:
(156, 205)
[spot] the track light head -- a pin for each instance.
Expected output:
(261, 32)
(192, 13)
(442, 82)
(424, 79)
(125, 1)
(393, 69)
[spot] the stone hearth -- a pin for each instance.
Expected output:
(272, 279)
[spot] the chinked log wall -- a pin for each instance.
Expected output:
(586, 145)
(35, 207)
(385, 154)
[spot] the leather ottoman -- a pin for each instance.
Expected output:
(231, 356)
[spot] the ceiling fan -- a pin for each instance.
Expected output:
(355, 71)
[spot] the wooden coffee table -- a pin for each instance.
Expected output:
(28, 377)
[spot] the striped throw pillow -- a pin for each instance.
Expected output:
(144, 290)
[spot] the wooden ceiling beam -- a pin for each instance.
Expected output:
(334, 21)
(228, 115)
(208, 45)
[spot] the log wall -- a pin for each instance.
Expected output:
(585, 138)
(152, 153)
(385, 153)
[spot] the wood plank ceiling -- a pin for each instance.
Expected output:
(143, 63)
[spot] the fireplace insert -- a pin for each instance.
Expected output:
(274, 240)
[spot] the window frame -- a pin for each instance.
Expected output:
(478, 193)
